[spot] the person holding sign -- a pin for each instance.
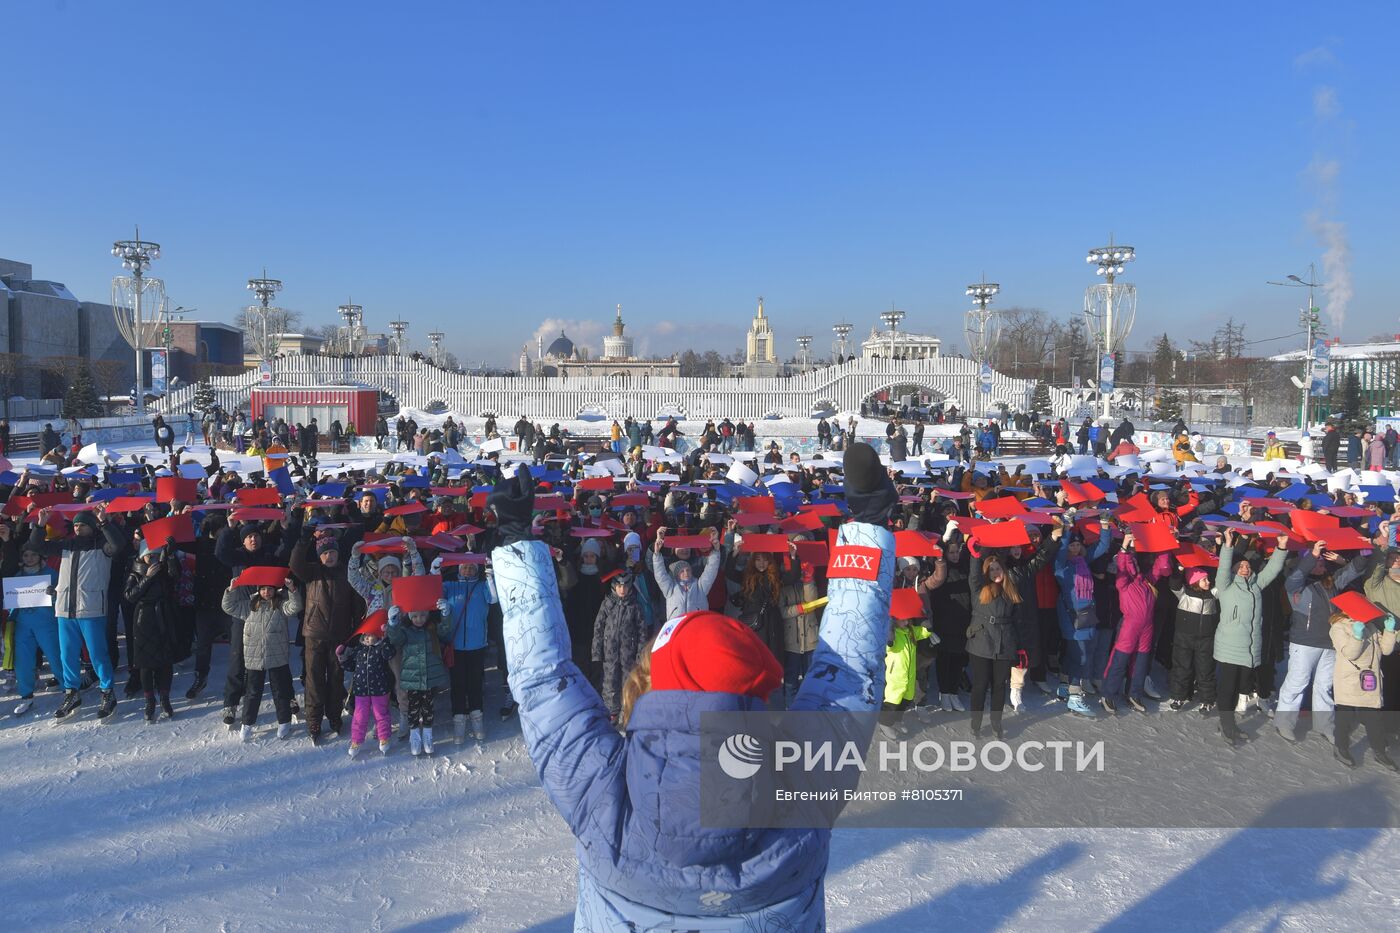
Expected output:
(418, 645)
(36, 627)
(80, 599)
(679, 586)
(150, 589)
(264, 600)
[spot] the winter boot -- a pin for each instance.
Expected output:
(427, 733)
(1016, 705)
(108, 706)
(72, 699)
(383, 748)
(1078, 705)
(133, 687)
(167, 711)
(150, 707)
(1137, 704)
(1344, 756)
(354, 749)
(284, 729)
(199, 681)
(1242, 704)
(415, 742)
(459, 728)
(958, 704)
(245, 733)
(947, 703)
(508, 710)
(478, 722)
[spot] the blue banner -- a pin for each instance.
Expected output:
(986, 378)
(1320, 369)
(158, 372)
(1106, 373)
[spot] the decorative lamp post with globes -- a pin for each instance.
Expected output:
(842, 331)
(977, 328)
(1111, 308)
(891, 319)
(264, 290)
(804, 343)
(131, 294)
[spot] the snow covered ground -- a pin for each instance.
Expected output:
(178, 826)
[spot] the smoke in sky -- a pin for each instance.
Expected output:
(1324, 172)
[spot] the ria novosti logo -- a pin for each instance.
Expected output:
(741, 756)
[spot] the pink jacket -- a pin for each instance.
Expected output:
(1136, 599)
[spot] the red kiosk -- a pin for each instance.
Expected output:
(299, 404)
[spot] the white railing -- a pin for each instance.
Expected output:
(417, 384)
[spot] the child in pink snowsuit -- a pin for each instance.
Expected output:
(1137, 600)
(368, 657)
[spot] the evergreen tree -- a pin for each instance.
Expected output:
(80, 401)
(204, 396)
(1351, 414)
(1040, 398)
(1165, 356)
(1168, 404)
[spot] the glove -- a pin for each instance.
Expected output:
(436, 565)
(1390, 623)
(394, 613)
(1358, 630)
(340, 652)
(513, 504)
(933, 639)
(869, 492)
(948, 531)
(442, 605)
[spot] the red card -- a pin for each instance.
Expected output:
(324, 503)
(440, 542)
(416, 594)
(821, 509)
(815, 553)
(914, 544)
(408, 508)
(698, 542)
(587, 532)
(1277, 506)
(478, 500)
(20, 505)
(395, 546)
(253, 495)
(553, 504)
(466, 530)
(257, 515)
(372, 536)
(1002, 534)
(595, 484)
(1312, 525)
(803, 521)
(43, 500)
(905, 603)
(262, 576)
(764, 544)
(374, 624)
(1357, 606)
(755, 519)
(449, 560)
(1136, 509)
(1000, 507)
(1349, 511)
(1075, 493)
(1038, 518)
(1346, 539)
(765, 504)
(205, 506)
(72, 508)
(180, 527)
(170, 488)
(1153, 538)
(1193, 555)
(635, 499)
(450, 492)
(123, 504)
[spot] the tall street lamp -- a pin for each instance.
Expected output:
(353, 315)
(397, 327)
(435, 341)
(842, 331)
(1110, 307)
(1310, 320)
(264, 290)
(977, 328)
(128, 298)
(804, 343)
(891, 319)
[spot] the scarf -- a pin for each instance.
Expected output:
(1083, 580)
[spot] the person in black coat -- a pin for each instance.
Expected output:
(150, 590)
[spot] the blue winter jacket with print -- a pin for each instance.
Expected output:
(646, 863)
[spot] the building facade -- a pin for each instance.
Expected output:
(760, 352)
(563, 358)
(45, 331)
(899, 345)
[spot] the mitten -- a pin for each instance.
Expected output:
(442, 605)
(436, 566)
(869, 491)
(513, 504)
(1358, 630)
(1390, 623)
(394, 613)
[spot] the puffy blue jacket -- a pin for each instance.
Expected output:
(633, 801)
(468, 604)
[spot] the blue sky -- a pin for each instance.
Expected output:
(483, 168)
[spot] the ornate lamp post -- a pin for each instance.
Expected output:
(1112, 306)
(397, 328)
(353, 314)
(977, 328)
(842, 331)
(804, 343)
(264, 290)
(435, 341)
(891, 319)
(130, 294)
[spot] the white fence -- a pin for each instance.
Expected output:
(419, 385)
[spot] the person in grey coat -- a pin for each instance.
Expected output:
(683, 590)
(618, 636)
(265, 612)
(1239, 637)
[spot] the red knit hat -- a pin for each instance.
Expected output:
(711, 652)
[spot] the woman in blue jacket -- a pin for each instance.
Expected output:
(1075, 610)
(632, 800)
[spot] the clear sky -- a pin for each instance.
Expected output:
(483, 168)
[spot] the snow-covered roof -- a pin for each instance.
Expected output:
(1347, 351)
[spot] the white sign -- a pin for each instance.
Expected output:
(986, 378)
(27, 592)
(265, 373)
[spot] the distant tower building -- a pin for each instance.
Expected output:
(617, 347)
(760, 358)
(525, 368)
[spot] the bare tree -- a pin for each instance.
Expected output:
(263, 330)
